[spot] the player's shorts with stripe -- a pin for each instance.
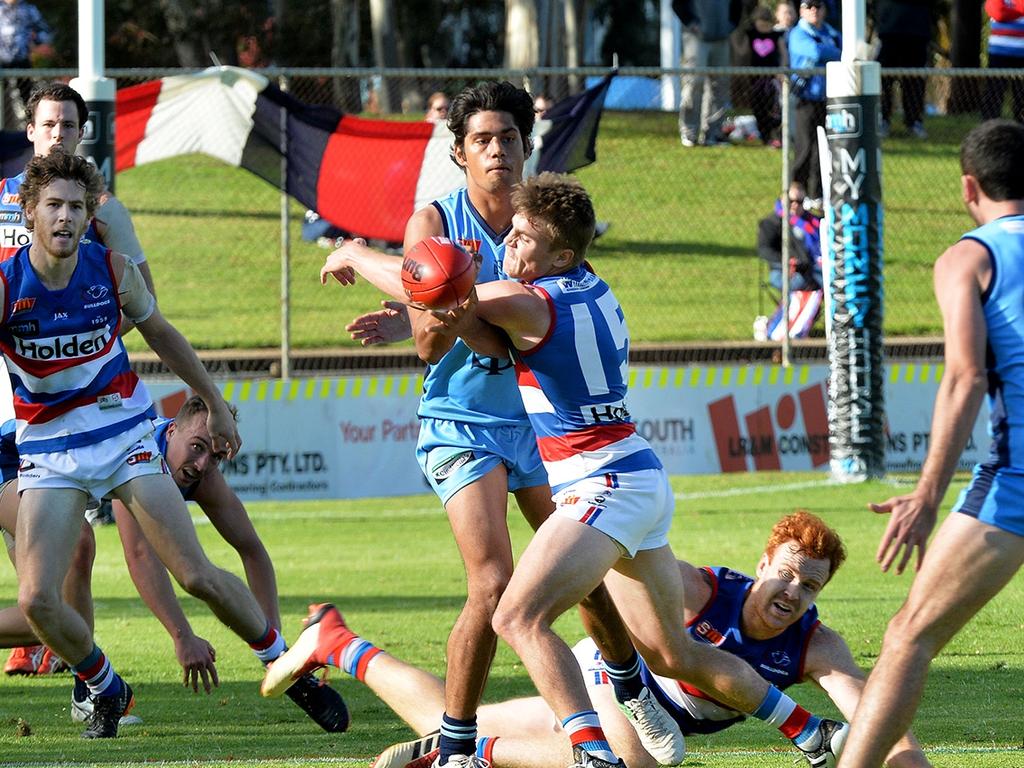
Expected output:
(95, 469)
(633, 508)
(995, 496)
(454, 454)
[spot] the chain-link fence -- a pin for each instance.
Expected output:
(680, 246)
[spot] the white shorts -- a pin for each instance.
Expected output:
(633, 508)
(95, 469)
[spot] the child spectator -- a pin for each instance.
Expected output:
(766, 46)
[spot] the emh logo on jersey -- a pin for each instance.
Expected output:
(769, 433)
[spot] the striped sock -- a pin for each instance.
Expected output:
(485, 748)
(354, 656)
(458, 737)
(585, 731)
(95, 671)
(269, 646)
(625, 678)
(793, 721)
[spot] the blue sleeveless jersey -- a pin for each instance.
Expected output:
(779, 660)
(1003, 305)
(464, 386)
(72, 382)
(13, 234)
(573, 383)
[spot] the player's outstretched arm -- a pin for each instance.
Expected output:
(194, 653)
(830, 665)
(961, 274)
(480, 336)
(355, 256)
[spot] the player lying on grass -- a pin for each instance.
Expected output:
(769, 620)
(614, 506)
(187, 448)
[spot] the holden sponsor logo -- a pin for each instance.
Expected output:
(14, 237)
(605, 413)
(74, 345)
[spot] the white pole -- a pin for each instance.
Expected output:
(670, 46)
(855, 47)
(99, 92)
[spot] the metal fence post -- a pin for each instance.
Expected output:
(286, 340)
(785, 220)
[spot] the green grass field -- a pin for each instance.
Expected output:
(391, 566)
(680, 252)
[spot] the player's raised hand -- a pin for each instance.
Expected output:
(384, 326)
(224, 438)
(197, 658)
(337, 265)
(910, 523)
(453, 322)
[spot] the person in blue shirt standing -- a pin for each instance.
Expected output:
(812, 43)
(22, 27)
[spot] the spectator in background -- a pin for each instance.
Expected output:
(812, 43)
(541, 104)
(765, 48)
(706, 28)
(785, 17)
(437, 108)
(1005, 51)
(905, 30)
(22, 28)
(804, 243)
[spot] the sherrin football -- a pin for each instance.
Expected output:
(438, 273)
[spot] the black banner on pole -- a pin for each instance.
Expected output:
(97, 143)
(856, 411)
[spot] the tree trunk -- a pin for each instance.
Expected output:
(345, 52)
(965, 24)
(185, 47)
(521, 34)
(385, 51)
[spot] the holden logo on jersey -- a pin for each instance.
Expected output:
(57, 347)
(95, 292)
(22, 305)
(605, 413)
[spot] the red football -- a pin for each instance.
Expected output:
(438, 273)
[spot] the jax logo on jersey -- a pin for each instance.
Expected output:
(73, 346)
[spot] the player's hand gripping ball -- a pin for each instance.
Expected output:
(438, 274)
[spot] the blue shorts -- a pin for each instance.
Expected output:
(453, 454)
(995, 496)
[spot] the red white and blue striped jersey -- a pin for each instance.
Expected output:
(574, 383)
(69, 371)
(1006, 38)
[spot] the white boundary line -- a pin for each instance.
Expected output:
(756, 489)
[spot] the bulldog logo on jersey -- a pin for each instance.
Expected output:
(96, 292)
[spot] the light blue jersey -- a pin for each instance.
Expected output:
(464, 386)
(996, 493)
(471, 415)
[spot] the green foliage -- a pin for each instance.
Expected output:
(391, 566)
